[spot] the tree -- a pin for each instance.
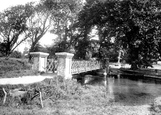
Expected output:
(134, 24)
(138, 30)
(91, 17)
(64, 15)
(39, 24)
(39, 48)
(13, 26)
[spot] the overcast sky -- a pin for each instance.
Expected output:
(8, 3)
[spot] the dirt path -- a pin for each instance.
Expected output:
(23, 80)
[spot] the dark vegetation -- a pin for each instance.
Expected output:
(13, 67)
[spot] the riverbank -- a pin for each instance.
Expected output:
(94, 100)
(124, 70)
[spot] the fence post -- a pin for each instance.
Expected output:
(64, 64)
(107, 65)
(39, 61)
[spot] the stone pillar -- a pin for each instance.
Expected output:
(64, 64)
(39, 61)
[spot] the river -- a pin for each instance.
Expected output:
(132, 91)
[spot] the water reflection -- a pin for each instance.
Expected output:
(110, 87)
(132, 91)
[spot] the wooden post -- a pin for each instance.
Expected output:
(105, 79)
(41, 99)
(5, 95)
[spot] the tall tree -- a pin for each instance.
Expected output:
(13, 25)
(134, 24)
(90, 17)
(39, 24)
(64, 17)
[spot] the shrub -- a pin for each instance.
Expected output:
(60, 88)
(16, 54)
(13, 66)
(156, 106)
(17, 73)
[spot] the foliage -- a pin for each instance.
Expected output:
(64, 15)
(39, 48)
(134, 24)
(59, 89)
(39, 23)
(13, 25)
(7, 66)
(88, 19)
(16, 54)
(55, 89)
(155, 107)
(3, 49)
(18, 73)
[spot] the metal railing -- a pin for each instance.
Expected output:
(51, 65)
(84, 66)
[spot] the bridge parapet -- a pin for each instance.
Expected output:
(79, 66)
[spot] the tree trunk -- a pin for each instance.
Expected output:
(134, 66)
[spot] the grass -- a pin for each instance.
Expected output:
(13, 67)
(67, 97)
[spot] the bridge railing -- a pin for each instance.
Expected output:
(52, 65)
(65, 65)
(79, 66)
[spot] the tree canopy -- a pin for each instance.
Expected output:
(64, 14)
(134, 24)
(12, 25)
(39, 23)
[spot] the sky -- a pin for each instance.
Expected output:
(47, 38)
(8, 3)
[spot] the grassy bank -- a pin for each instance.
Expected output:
(13, 67)
(67, 97)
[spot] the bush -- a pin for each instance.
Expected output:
(59, 88)
(16, 54)
(156, 106)
(17, 73)
(13, 65)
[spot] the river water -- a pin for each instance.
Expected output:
(136, 91)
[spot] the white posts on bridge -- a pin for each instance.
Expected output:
(39, 61)
(64, 64)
